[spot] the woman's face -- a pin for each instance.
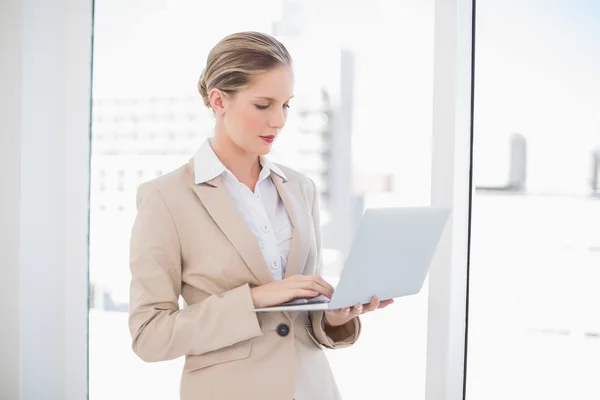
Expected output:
(253, 117)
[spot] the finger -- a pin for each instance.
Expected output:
(325, 284)
(314, 283)
(385, 303)
(322, 283)
(315, 286)
(301, 293)
(373, 305)
(344, 311)
(357, 309)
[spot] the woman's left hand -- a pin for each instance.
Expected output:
(343, 315)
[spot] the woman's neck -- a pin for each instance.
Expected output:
(244, 166)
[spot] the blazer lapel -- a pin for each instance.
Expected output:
(292, 200)
(218, 203)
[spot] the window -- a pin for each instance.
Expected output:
(534, 325)
(342, 127)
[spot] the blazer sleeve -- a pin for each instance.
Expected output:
(330, 337)
(159, 329)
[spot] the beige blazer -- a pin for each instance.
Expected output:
(188, 240)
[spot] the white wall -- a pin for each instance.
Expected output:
(44, 125)
(10, 159)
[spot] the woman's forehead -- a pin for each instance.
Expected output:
(274, 85)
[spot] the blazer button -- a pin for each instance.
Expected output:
(283, 330)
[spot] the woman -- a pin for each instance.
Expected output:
(230, 232)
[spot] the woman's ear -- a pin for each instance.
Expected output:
(217, 101)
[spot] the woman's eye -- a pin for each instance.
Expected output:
(286, 106)
(260, 107)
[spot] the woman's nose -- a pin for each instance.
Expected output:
(278, 120)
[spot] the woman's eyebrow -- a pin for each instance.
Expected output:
(268, 98)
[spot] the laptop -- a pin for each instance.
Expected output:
(389, 258)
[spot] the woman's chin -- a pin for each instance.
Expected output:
(264, 149)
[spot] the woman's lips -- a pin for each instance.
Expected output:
(268, 139)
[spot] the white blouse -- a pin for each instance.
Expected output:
(262, 210)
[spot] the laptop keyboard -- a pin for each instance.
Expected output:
(316, 300)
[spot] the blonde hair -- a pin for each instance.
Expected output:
(232, 62)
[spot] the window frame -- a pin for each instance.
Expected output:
(451, 186)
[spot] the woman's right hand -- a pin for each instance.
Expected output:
(288, 289)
